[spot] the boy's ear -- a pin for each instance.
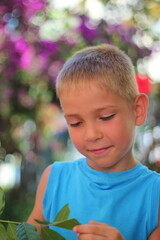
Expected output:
(140, 108)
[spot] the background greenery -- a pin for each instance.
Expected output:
(36, 37)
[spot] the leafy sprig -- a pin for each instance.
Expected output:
(26, 231)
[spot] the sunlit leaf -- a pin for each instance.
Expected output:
(63, 214)
(26, 231)
(2, 201)
(67, 224)
(11, 231)
(48, 234)
(3, 234)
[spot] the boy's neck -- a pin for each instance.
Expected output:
(119, 167)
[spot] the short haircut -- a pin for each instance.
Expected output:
(105, 65)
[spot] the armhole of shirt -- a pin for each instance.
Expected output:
(47, 192)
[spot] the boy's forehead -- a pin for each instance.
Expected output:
(84, 87)
(72, 109)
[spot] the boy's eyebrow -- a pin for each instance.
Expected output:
(70, 115)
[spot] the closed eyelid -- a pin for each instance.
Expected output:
(108, 116)
(72, 121)
(76, 124)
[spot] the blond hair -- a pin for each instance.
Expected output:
(105, 65)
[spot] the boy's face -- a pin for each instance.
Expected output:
(102, 127)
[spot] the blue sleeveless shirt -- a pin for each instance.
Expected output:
(127, 200)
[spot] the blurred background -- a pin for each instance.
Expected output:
(36, 38)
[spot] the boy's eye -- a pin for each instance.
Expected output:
(74, 124)
(108, 117)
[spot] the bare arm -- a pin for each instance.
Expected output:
(155, 235)
(37, 209)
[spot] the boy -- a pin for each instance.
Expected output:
(108, 191)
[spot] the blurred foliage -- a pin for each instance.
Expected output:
(35, 40)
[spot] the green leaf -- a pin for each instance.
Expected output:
(67, 224)
(11, 231)
(42, 222)
(48, 234)
(3, 234)
(2, 201)
(26, 231)
(63, 214)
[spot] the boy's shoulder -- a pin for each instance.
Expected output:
(152, 173)
(154, 177)
(157, 176)
(67, 164)
(62, 169)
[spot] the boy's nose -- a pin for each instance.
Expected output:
(93, 133)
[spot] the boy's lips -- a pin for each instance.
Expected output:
(99, 150)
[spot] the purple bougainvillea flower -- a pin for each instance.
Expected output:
(26, 58)
(30, 7)
(20, 52)
(48, 48)
(33, 6)
(87, 29)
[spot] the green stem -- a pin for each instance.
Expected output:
(5, 221)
